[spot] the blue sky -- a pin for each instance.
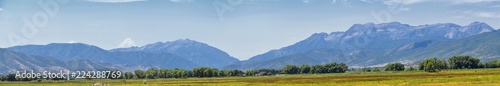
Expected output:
(245, 29)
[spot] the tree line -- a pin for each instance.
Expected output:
(436, 65)
(455, 62)
(153, 73)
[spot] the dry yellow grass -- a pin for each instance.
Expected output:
(471, 77)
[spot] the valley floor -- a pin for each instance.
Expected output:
(468, 77)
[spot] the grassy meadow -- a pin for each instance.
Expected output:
(466, 77)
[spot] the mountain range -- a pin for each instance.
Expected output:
(183, 53)
(362, 45)
(199, 53)
(10, 62)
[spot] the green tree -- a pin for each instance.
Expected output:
(493, 64)
(410, 68)
(336, 67)
(11, 77)
(290, 69)
(163, 73)
(463, 62)
(376, 70)
(329, 68)
(366, 69)
(129, 75)
(207, 72)
(234, 72)
(2, 78)
(305, 69)
(198, 72)
(251, 72)
(177, 73)
(183, 73)
(140, 74)
(432, 65)
(151, 73)
(394, 67)
(316, 69)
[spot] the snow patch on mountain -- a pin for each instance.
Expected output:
(128, 42)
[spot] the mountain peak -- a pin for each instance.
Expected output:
(440, 25)
(482, 24)
(391, 23)
(477, 23)
(382, 24)
(70, 44)
(185, 40)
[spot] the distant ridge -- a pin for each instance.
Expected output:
(363, 44)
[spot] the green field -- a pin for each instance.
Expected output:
(468, 77)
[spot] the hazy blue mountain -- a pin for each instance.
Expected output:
(83, 53)
(86, 65)
(312, 57)
(10, 62)
(157, 60)
(198, 53)
(361, 43)
(66, 51)
(13, 61)
(383, 36)
(315, 41)
(485, 46)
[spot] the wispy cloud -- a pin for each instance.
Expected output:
(488, 14)
(305, 1)
(405, 2)
(483, 14)
(343, 2)
(368, 1)
(72, 41)
(177, 1)
(1, 9)
(115, 1)
(471, 1)
(409, 2)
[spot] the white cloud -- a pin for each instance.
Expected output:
(72, 41)
(409, 2)
(471, 1)
(305, 1)
(483, 14)
(115, 1)
(488, 14)
(1, 9)
(128, 42)
(405, 2)
(343, 2)
(177, 1)
(368, 1)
